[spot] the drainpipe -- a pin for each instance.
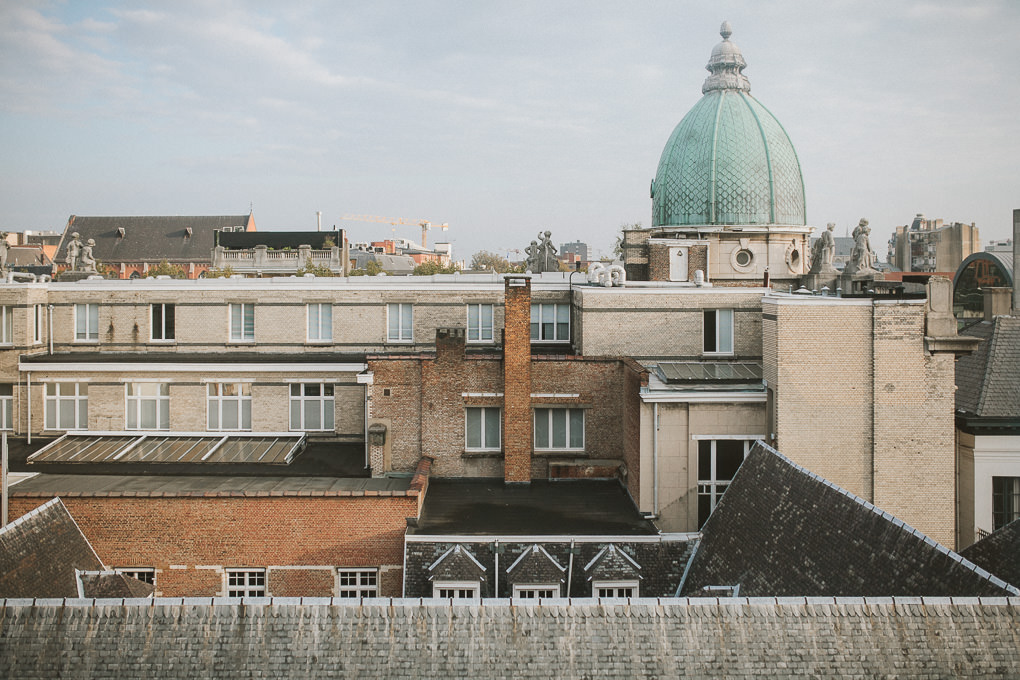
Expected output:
(655, 459)
(495, 589)
(49, 326)
(367, 397)
(28, 391)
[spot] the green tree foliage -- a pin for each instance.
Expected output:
(164, 268)
(217, 273)
(485, 261)
(429, 268)
(317, 270)
(371, 269)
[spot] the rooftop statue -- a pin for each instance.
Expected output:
(862, 258)
(823, 251)
(4, 248)
(74, 247)
(88, 260)
(542, 254)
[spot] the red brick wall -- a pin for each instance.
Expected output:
(517, 418)
(241, 531)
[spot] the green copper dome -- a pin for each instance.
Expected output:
(729, 161)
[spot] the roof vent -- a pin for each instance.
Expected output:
(187, 232)
(121, 232)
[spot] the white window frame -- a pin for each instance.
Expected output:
(535, 591)
(247, 582)
(480, 328)
(359, 583)
(327, 407)
(86, 322)
(134, 405)
(6, 407)
(616, 587)
(143, 574)
(456, 590)
(714, 488)
(482, 435)
(723, 330)
(545, 413)
(539, 312)
(6, 325)
(320, 321)
(55, 403)
(217, 403)
(159, 334)
(38, 314)
(400, 322)
(245, 332)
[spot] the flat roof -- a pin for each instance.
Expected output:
(166, 447)
(699, 372)
(543, 507)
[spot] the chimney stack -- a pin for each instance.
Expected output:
(517, 418)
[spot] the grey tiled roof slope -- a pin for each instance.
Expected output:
(780, 530)
(989, 381)
(40, 551)
(111, 584)
(405, 639)
(999, 553)
(148, 238)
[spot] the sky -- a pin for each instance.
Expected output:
(499, 119)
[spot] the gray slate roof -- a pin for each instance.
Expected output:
(40, 551)
(668, 638)
(999, 553)
(106, 584)
(988, 380)
(781, 530)
(149, 238)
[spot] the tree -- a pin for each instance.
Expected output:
(432, 267)
(317, 270)
(217, 273)
(371, 269)
(164, 268)
(486, 261)
(618, 245)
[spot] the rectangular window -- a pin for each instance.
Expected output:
(718, 460)
(479, 323)
(162, 325)
(311, 407)
(242, 322)
(400, 322)
(550, 322)
(718, 331)
(144, 574)
(148, 406)
(320, 322)
(66, 406)
(614, 588)
(482, 427)
(355, 583)
(6, 407)
(559, 428)
(533, 592)
(86, 323)
(246, 582)
(229, 406)
(463, 590)
(38, 313)
(6, 325)
(1005, 501)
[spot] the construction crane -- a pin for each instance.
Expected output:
(424, 224)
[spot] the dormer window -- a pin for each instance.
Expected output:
(187, 232)
(121, 232)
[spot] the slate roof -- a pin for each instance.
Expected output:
(999, 553)
(108, 584)
(40, 551)
(246, 240)
(781, 530)
(491, 507)
(988, 381)
(668, 638)
(149, 238)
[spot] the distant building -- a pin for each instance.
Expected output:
(576, 248)
(931, 246)
(281, 253)
(130, 245)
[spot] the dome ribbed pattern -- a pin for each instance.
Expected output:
(729, 161)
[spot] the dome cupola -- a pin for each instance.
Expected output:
(729, 161)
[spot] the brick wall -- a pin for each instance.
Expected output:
(190, 540)
(517, 416)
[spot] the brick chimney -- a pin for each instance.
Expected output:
(517, 419)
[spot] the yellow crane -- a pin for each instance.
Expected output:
(424, 224)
